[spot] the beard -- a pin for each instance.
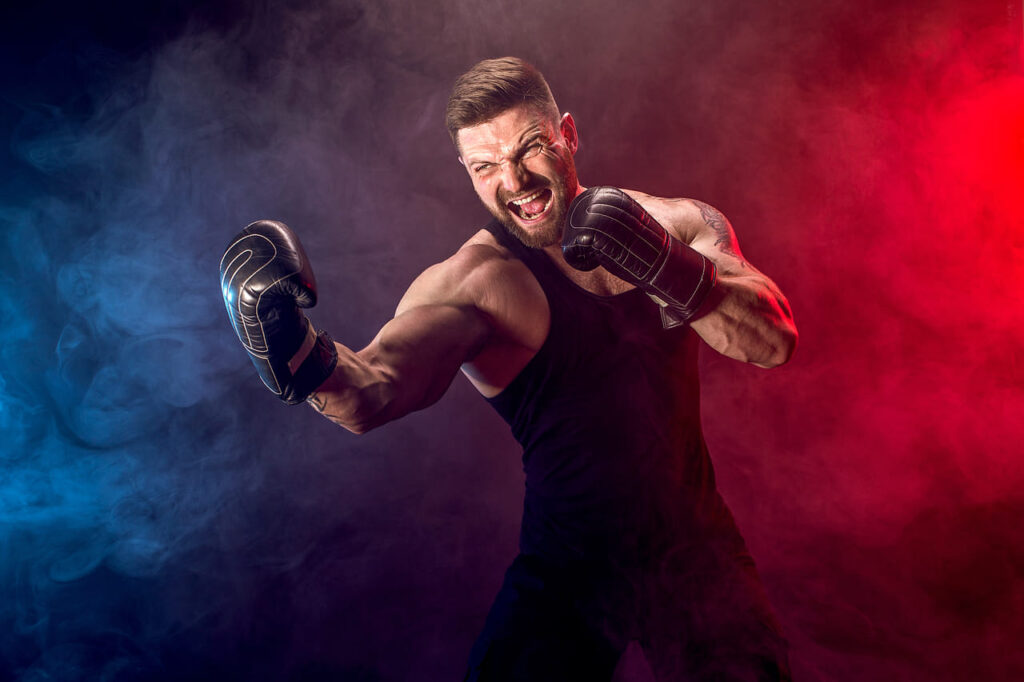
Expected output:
(547, 232)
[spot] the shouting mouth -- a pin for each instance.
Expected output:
(533, 206)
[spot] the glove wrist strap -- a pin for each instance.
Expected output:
(681, 282)
(313, 363)
(303, 352)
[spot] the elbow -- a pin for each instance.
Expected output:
(349, 424)
(364, 421)
(781, 350)
(357, 428)
(782, 342)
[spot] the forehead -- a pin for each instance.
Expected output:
(502, 134)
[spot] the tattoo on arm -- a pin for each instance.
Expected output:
(714, 219)
(317, 403)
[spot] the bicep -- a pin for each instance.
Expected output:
(714, 231)
(436, 328)
(706, 230)
(445, 311)
(429, 334)
(417, 354)
(712, 235)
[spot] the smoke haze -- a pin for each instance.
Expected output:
(163, 517)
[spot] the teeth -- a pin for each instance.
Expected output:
(520, 202)
(531, 216)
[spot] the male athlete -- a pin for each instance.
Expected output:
(577, 314)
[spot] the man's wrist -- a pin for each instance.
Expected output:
(303, 352)
(312, 370)
(682, 281)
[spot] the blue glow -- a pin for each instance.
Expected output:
(117, 456)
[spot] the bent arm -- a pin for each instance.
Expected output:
(746, 317)
(413, 359)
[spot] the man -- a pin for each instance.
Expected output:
(577, 314)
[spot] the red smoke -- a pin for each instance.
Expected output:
(878, 476)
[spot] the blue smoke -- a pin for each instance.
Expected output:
(110, 384)
(161, 516)
(122, 460)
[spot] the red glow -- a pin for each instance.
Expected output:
(980, 143)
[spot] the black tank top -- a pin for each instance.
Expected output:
(608, 415)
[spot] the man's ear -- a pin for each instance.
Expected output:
(567, 126)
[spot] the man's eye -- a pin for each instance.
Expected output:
(483, 168)
(533, 150)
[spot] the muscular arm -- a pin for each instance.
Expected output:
(746, 316)
(415, 356)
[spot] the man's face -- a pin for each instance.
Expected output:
(521, 165)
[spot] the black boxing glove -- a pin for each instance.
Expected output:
(265, 278)
(607, 227)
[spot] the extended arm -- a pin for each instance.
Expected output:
(266, 279)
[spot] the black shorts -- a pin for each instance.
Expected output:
(552, 624)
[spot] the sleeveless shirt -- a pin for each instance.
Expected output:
(608, 415)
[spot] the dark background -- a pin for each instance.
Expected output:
(162, 517)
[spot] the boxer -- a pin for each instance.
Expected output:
(577, 314)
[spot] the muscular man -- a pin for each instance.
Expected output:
(577, 314)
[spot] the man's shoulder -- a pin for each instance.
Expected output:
(479, 259)
(479, 268)
(481, 247)
(485, 276)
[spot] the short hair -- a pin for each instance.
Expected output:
(492, 87)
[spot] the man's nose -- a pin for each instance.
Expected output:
(513, 175)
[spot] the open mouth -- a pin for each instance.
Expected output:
(533, 206)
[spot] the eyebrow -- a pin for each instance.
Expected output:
(527, 136)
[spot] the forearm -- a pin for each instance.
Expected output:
(747, 318)
(355, 393)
